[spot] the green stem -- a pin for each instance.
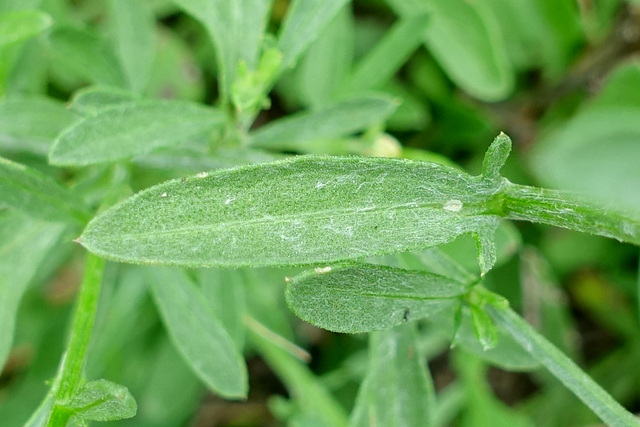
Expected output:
(563, 368)
(70, 375)
(563, 209)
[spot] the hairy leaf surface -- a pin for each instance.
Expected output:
(303, 210)
(131, 129)
(364, 298)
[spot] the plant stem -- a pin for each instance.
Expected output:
(563, 368)
(563, 209)
(70, 374)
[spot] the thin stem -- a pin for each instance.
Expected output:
(563, 209)
(563, 368)
(70, 374)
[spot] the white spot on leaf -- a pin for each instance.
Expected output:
(163, 195)
(453, 205)
(202, 174)
(322, 270)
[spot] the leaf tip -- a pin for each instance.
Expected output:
(496, 156)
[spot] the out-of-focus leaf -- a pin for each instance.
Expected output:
(333, 121)
(133, 32)
(24, 243)
(386, 58)
(94, 99)
(38, 195)
(397, 390)
(197, 333)
(326, 62)
(31, 124)
(314, 403)
(364, 298)
(465, 39)
(236, 28)
(103, 400)
(131, 129)
(20, 25)
(85, 54)
(304, 210)
(304, 22)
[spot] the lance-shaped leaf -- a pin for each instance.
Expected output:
(334, 121)
(198, 334)
(364, 298)
(38, 195)
(303, 210)
(20, 25)
(397, 390)
(103, 400)
(131, 129)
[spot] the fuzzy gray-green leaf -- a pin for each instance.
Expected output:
(303, 210)
(364, 298)
(131, 129)
(103, 400)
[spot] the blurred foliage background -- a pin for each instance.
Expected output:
(561, 77)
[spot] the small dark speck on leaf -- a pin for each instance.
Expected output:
(405, 316)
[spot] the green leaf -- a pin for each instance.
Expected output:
(563, 368)
(363, 298)
(95, 99)
(38, 195)
(466, 41)
(496, 156)
(31, 124)
(133, 32)
(303, 24)
(24, 243)
(103, 400)
(388, 56)
(19, 25)
(314, 402)
(237, 29)
(326, 62)
(483, 327)
(333, 121)
(85, 54)
(303, 210)
(197, 333)
(397, 390)
(132, 129)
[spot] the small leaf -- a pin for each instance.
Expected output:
(303, 24)
(363, 298)
(197, 333)
(19, 25)
(333, 121)
(31, 124)
(496, 156)
(483, 327)
(236, 28)
(24, 243)
(103, 400)
(133, 30)
(85, 54)
(303, 210)
(397, 390)
(132, 129)
(95, 99)
(38, 195)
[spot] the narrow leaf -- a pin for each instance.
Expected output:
(496, 156)
(131, 129)
(20, 25)
(397, 390)
(85, 54)
(386, 58)
(483, 327)
(304, 22)
(24, 243)
(303, 210)
(133, 30)
(95, 99)
(563, 368)
(103, 400)
(334, 121)
(363, 298)
(38, 195)
(197, 334)
(236, 27)
(31, 124)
